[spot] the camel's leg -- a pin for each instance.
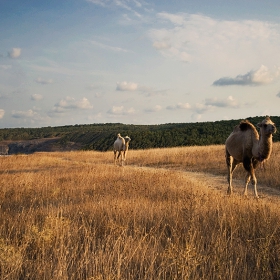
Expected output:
(122, 158)
(247, 180)
(124, 155)
(115, 157)
(231, 165)
(120, 154)
(250, 164)
(254, 178)
(254, 183)
(229, 160)
(251, 177)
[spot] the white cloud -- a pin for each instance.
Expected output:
(195, 37)
(183, 106)
(177, 19)
(229, 102)
(210, 104)
(57, 109)
(39, 80)
(201, 108)
(145, 90)
(53, 67)
(98, 2)
(14, 53)
(23, 114)
(108, 47)
(258, 77)
(70, 103)
(185, 57)
(263, 76)
(161, 45)
(120, 110)
(2, 113)
(122, 4)
(118, 3)
(116, 110)
(179, 106)
(126, 86)
(153, 109)
(84, 104)
(134, 10)
(137, 3)
(36, 96)
(131, 111)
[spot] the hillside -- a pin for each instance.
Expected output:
(164, 215)
(100, 137)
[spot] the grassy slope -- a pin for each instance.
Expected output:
(75, 215)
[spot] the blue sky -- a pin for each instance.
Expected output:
(137, 62)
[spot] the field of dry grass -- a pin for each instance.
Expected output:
(75, 215)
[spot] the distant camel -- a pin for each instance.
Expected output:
(245, 145)
(121, 147)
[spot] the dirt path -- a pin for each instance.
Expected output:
(220, 183)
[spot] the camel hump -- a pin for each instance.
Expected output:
(245, 125)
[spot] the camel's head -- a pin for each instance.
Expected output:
(267, 127)
(127, 139)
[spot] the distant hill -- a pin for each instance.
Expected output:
(101, 137)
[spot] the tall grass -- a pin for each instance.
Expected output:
(75, 215)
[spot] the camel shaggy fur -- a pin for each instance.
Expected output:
(245, 145)
(120, 148)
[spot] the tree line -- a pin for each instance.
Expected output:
(101, 137)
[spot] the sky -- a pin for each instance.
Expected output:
(137, 62)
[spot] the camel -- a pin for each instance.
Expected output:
(245, 145)
(121, 147)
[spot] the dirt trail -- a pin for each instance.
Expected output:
(219, 183)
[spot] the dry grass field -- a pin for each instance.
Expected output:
(164, 215)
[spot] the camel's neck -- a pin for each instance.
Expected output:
(264, 147)
(126, 146)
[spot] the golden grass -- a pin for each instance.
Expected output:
(75, 215)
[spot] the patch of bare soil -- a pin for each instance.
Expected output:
(220, 183)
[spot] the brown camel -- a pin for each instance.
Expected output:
(121, 147)
(245, 145)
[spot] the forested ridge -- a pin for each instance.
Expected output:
(102, 136)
